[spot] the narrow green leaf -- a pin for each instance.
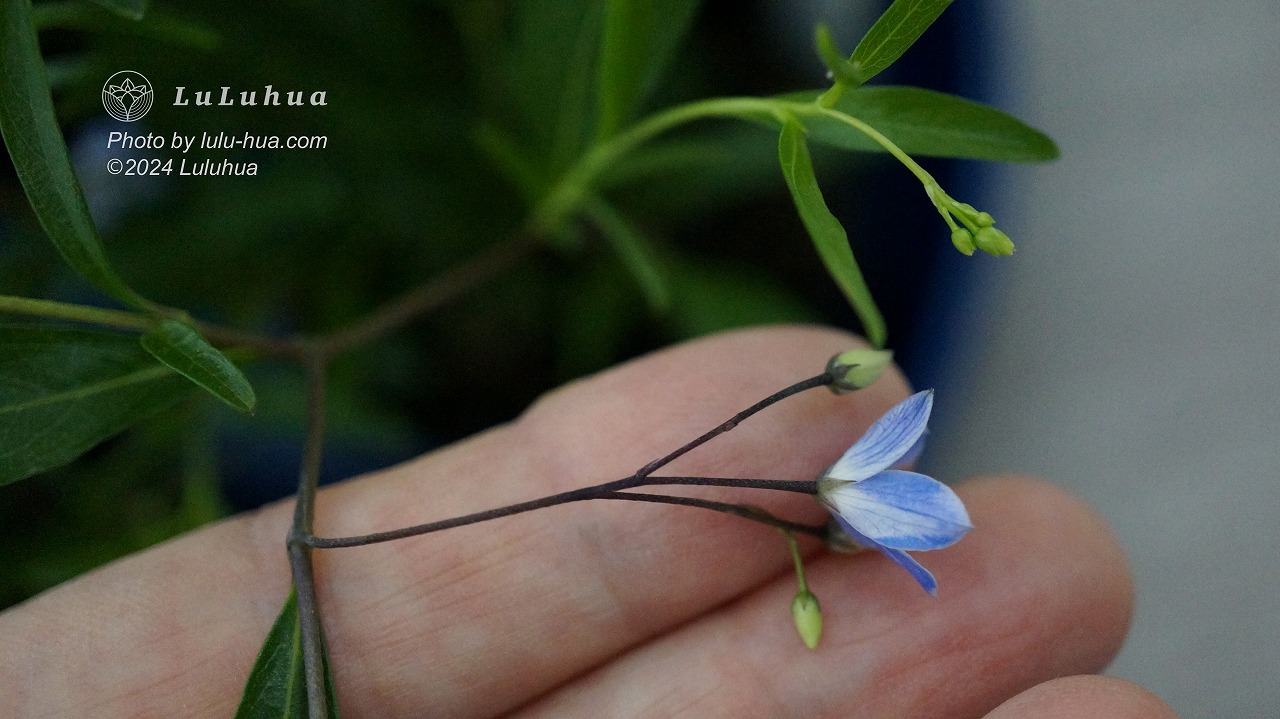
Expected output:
(929, 123)
(180, 347)
(132, 9)
(64, 390)
(825, 230)
(40, 156)
(276, 688)
(637, 255)
(896, 30)
(637, 43)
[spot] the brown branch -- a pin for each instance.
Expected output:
(442, 289)
(304, 580)
(412, 305)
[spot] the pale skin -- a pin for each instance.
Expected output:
(606, 608)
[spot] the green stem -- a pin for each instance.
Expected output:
(833, 94)
(576, 184)
(871, 132)
(76, 313)
(795, 557)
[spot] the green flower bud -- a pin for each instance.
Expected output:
(993, 241)
(857, 368)
(963, 240)
(808, 616)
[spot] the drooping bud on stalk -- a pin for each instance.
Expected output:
(808, 616)
(804, 608)
(856, 369)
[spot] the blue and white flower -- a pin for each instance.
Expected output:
(894, 510)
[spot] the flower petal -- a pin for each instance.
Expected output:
(921, 575)
(901, 510)
(901, 558)
(912, 454)
(888, 440)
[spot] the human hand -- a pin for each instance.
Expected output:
(610, 609)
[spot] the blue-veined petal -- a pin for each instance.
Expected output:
(901, 558)
(912, 454)
(921, 575)
(888, 440)
(901, 510)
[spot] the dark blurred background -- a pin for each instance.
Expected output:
(403, 191)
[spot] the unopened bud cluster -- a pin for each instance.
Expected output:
(970, 229)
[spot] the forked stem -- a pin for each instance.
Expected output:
(615, 489)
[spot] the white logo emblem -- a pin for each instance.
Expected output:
(127, 96)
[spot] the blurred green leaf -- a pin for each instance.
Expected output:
(68, 70)
(672, 180)
(636, 252)
(550, 74)
(40, 155)
(639, 38)
(711, 297)
(178, 31)
(597, 308)
(76, 15)
(896, 30)
(925, 122)
(180, 347)
(64, 390)
(276, 688)
(499, 147)
(825, 230)
(132, 9)
(154, 482)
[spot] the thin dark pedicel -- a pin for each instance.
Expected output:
(641, 478)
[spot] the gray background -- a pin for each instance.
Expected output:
(1130, 349)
